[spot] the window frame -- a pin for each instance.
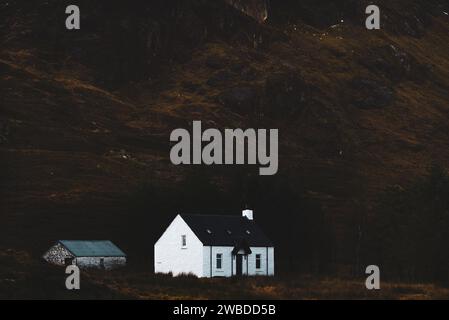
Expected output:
(219, 261)
(183, 240)
(258, 261)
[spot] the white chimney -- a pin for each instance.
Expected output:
(248, 214)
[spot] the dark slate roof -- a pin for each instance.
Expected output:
(219, 230)
(92, 248)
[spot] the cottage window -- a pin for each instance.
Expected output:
(258, 261)
(219, 260)
(184, 240)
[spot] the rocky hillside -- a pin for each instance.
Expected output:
(85, 116)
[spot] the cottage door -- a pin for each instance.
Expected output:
(239, 262)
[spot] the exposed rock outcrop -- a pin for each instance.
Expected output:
(258, 9)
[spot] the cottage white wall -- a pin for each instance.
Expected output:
(95, 262)
(170, 256)
(206, 262)
(271, 261)
(227, 270)
(57, 255)
(229, 262)
(262, 271)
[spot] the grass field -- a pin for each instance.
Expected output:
(25, 277)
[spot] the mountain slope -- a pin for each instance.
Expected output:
(86, 115)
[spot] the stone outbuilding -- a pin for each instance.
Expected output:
(100, 254)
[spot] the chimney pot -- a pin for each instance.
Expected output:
(248, 214)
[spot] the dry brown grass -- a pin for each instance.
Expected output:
(145, 285)
(23, 276)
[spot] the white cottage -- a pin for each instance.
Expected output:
(101, 254)
(214, 246)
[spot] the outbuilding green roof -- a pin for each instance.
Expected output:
(92, 248)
